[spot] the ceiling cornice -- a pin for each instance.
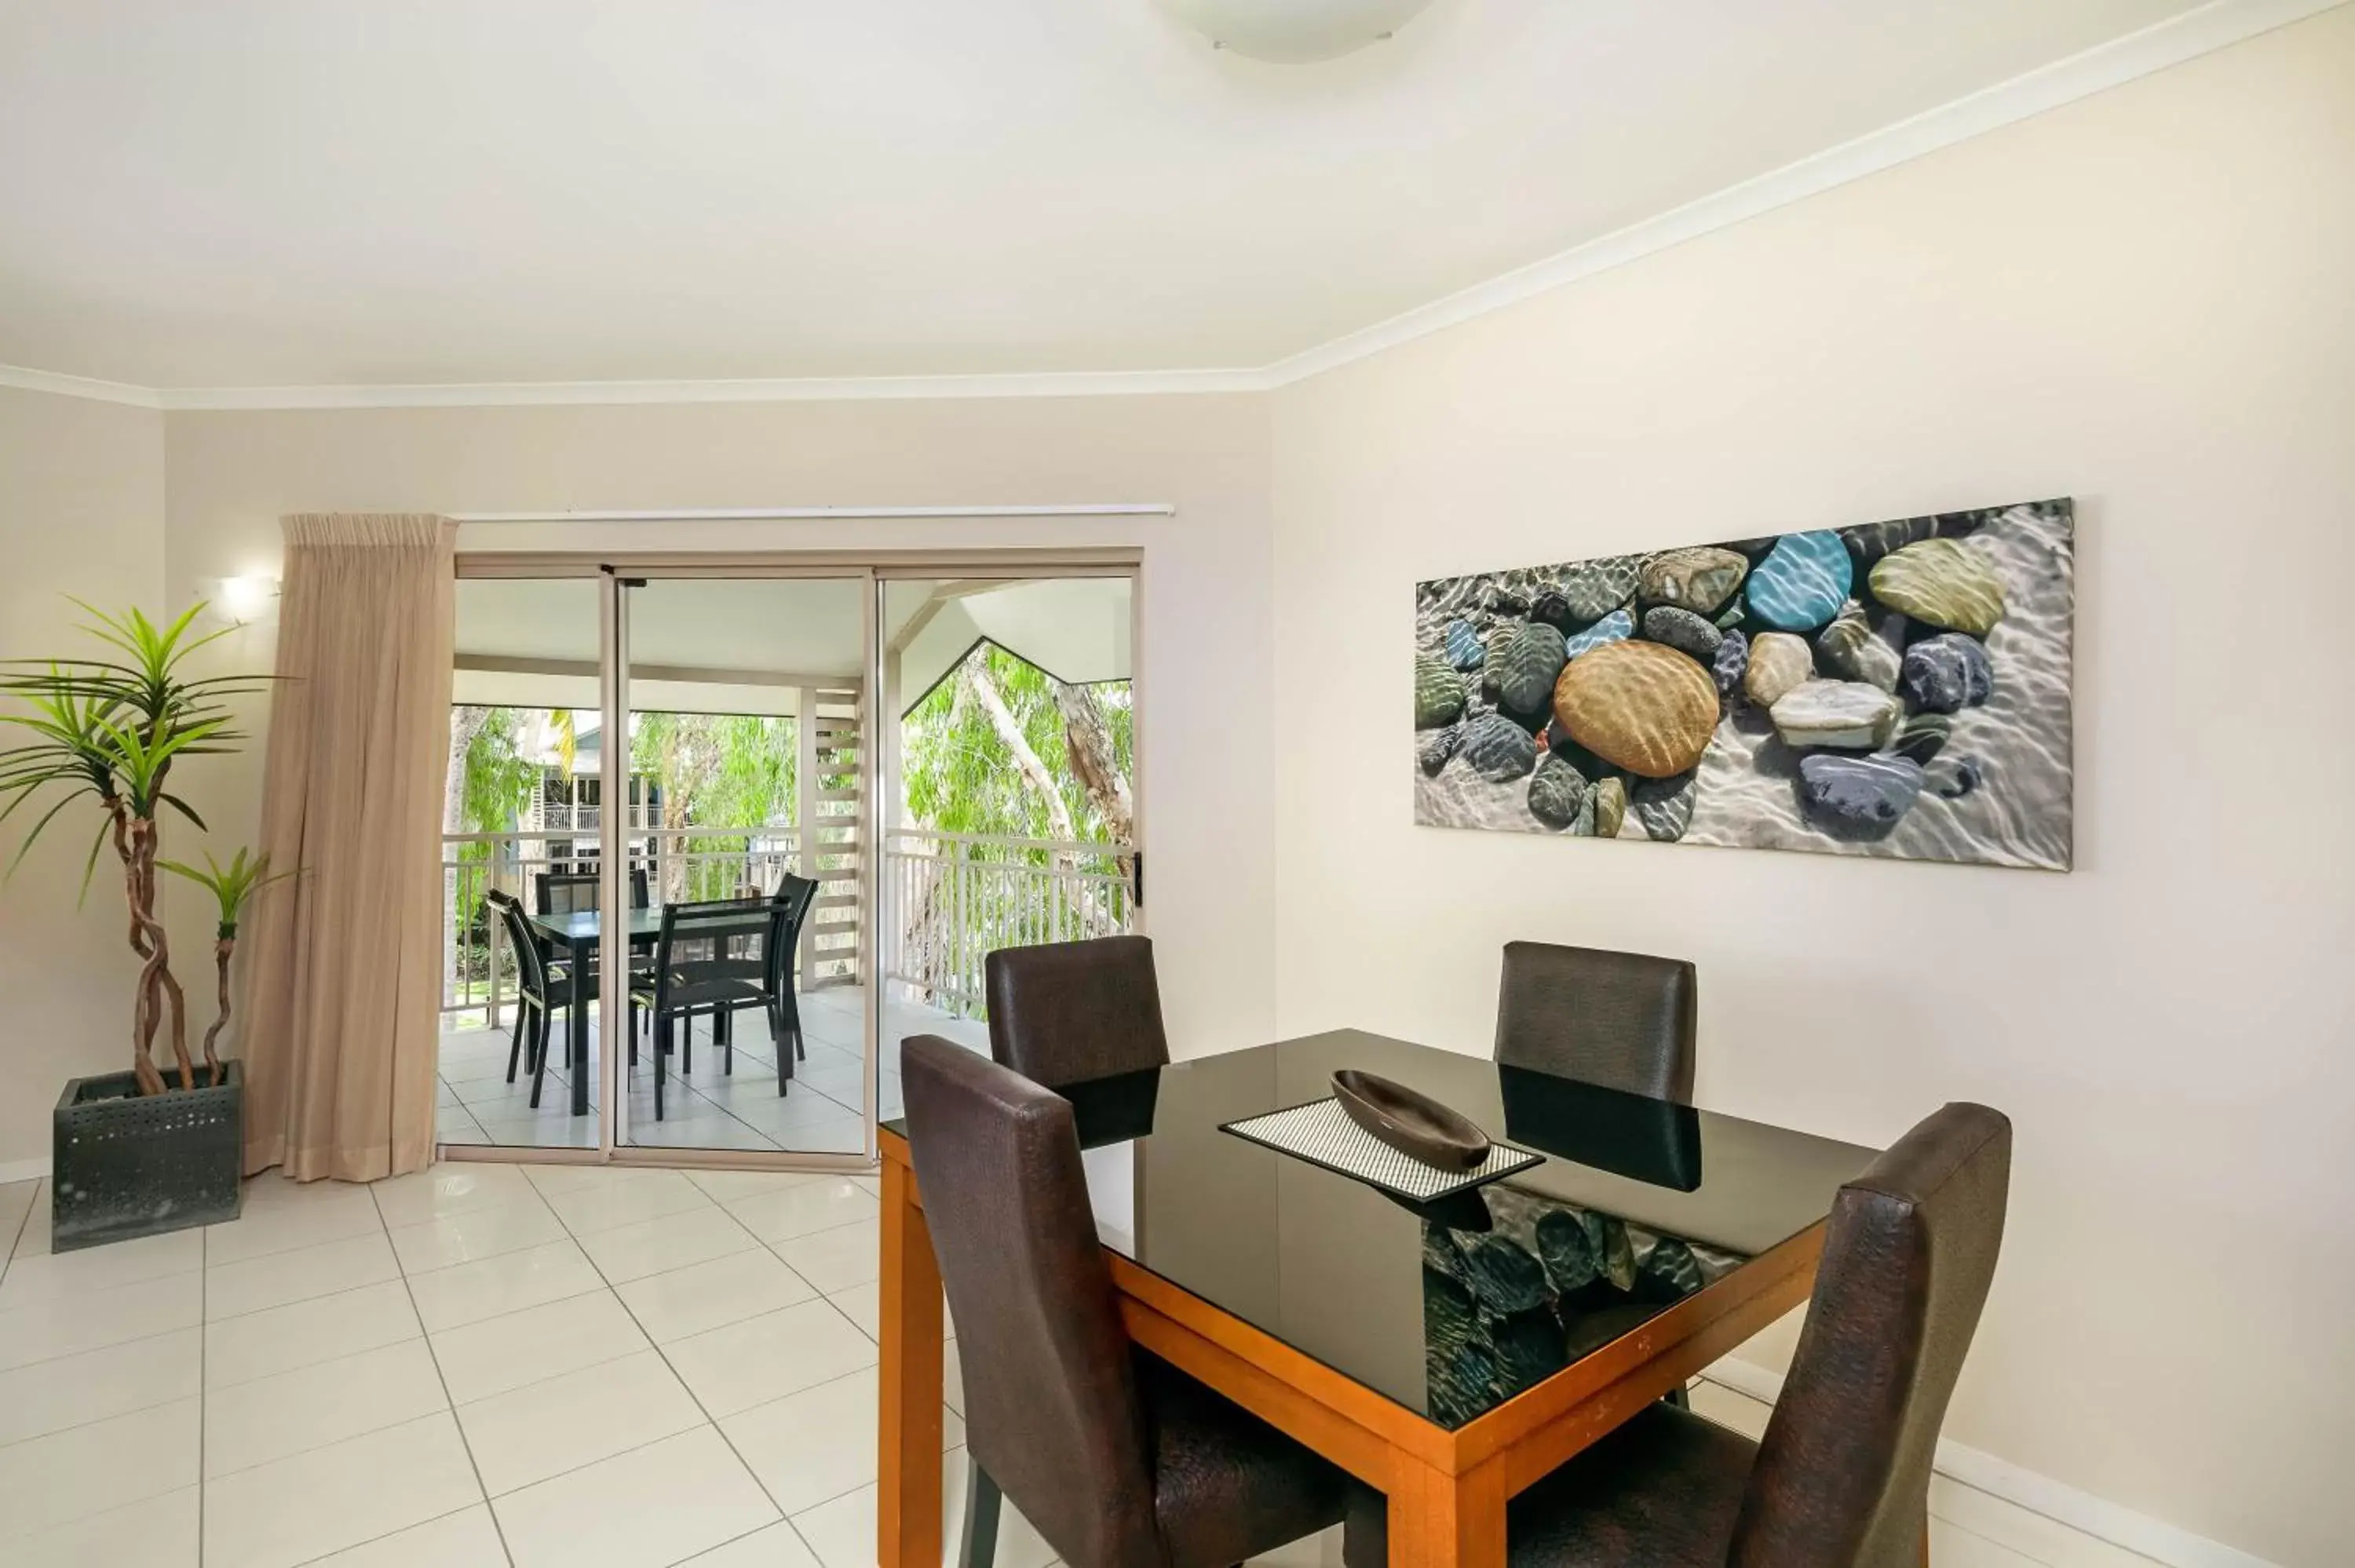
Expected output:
(2200, 31)
(2216, 26)
(25, 380)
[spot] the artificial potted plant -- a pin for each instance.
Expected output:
(151, 1150)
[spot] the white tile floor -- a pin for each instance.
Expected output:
(493, 1365)
(704, 1107)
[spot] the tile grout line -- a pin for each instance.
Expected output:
(204, 1337)
(115, 1414)
(709, 1420)
(771, 1141)
(24, 1224)
(388, 1534)
(448, 1403)
(206, 1264)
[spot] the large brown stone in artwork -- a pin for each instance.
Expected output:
(1641, 705)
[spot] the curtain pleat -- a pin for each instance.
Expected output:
(345, 970)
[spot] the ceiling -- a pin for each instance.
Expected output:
(286, 193)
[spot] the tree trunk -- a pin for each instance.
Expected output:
(465, 723)
(1034, 772)
(1093, 917)
(1094, 760)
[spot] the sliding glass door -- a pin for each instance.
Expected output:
(1006, 721)
(745, 718)
(523, 806)
(720, 837)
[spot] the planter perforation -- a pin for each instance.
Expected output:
(127, 1165)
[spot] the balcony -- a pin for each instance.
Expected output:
(947, 901)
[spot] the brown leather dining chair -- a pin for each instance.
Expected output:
(1842, 1478)
(1064, 1012)
(1117, 1459)
(1621, 1019)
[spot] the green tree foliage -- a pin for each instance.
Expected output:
(730, 770)
(499, 778)
(960, 774)
(495, 784)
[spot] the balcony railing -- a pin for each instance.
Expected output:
(953, 898)
(958, 897)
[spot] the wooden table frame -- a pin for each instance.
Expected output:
(1446, 1488)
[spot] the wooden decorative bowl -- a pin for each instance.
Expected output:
(1417, 1127)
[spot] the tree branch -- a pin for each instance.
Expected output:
(984, 692)
(1094, 761)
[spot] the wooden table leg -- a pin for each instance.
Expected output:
(1438, 1520)
(908, 1511)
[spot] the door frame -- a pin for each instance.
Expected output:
(615, 571)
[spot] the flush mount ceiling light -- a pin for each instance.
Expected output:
(1294, 32)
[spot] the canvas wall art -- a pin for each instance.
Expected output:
(1897, 688)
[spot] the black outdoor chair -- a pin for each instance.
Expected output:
(793, 898)
(541, 995)
(570, 893)
(715, 956)
(497, 906)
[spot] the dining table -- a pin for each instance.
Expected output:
(1448, 1354)
(578, 933)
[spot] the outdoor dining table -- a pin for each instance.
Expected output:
(1448, 1355)
(579, 935)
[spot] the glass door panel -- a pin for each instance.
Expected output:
(743, 703)
(521, 817)
(1008, 787)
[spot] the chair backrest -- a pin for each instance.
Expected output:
(719, 941)
(568, 891)
(531, 969)
(1843, 1473)
(1067, 1012)
(1621, 1019)
(1051, 1407)
(640, 897)
(792, 899)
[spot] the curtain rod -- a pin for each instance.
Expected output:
(775, 513)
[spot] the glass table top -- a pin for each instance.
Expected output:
(1448, 1310)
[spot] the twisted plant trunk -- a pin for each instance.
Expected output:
(158, 988)
(222, 948)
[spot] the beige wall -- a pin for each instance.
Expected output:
(81, 514)
(2143, 300)
(1206, 612)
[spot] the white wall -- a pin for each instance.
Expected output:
(81, 514)
(2143, 300)
(1206, 615)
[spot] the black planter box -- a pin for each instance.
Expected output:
(131, 1165)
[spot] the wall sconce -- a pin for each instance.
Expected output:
(247, 599)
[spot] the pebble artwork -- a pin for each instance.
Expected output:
(1897, 688)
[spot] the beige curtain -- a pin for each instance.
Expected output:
(346, 973)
